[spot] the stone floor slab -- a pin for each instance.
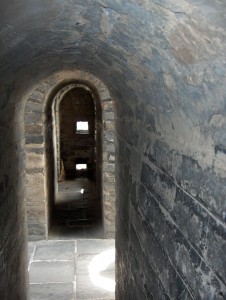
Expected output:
(92, 246)
(71, 279)
(52, 272)
(59, 250)
(52, 291)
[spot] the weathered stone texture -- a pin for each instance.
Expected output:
(13, 243)
(164, 65)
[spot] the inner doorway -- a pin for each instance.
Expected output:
(77, 207)
(42, 150)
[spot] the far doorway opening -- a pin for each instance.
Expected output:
(77, 208)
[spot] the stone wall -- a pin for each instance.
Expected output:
(170, 184)
(13, 243)
(164, 65)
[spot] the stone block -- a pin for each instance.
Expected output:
(34, 160)
(36, 231)
(108, 105)
(104, 95)
(36, 195)
(33, 129)
(109, 126)
(34, 117)
(110, 147)
(109, 188)
(109, 136)
(111, 158)
(109, 167)
(37, 96)
(34, 179)
(52, 291)
(109, 177)
(51, 271)
(35, 150)
(55, 250)
(109, 115)
(34, 139)
(36, 215)
(33, 106)
(105, 156)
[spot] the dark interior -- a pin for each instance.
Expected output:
(77, 207)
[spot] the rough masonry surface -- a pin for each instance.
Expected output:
(164, 64)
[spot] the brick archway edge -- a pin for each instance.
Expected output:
(36, 149)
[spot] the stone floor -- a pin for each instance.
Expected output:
(77, 211)
(72, 269)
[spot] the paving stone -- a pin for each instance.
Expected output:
(52, 291)
(95, 246)
(54, 271)
(59, 250)
(56, 279)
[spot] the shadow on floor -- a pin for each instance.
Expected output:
(77, 211)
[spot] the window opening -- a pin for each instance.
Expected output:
(82, 127)
(81, 166)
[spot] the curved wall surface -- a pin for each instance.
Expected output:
(164, 63)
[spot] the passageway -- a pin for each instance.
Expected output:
(77, 207)
(157, 72)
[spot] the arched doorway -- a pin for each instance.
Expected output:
(42, 166)
(77, 207)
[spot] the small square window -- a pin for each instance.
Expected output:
(82, 127)
(81, 166)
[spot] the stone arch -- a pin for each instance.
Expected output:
(39, 173)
